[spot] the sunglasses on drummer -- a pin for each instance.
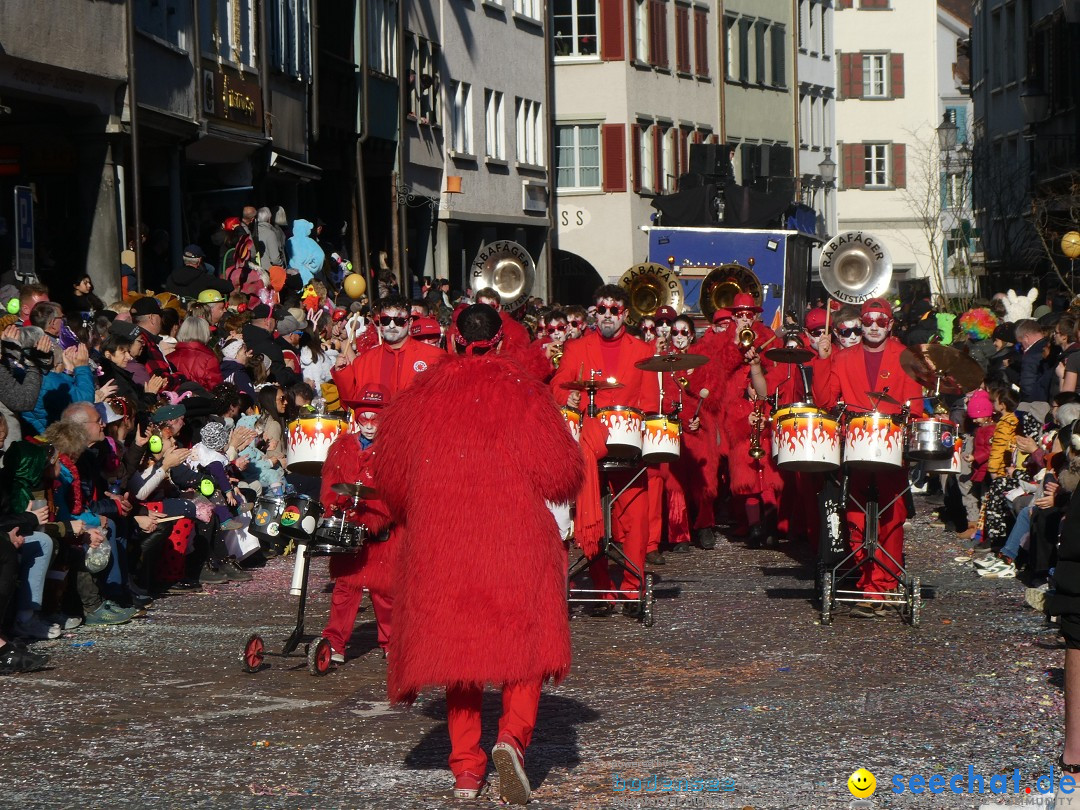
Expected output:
(680, 331)
(880, 320)
(854, 330)
(649, 329)
(815, 332)
(614, 309)
(553, 328)
(576, 323)
(386, 320)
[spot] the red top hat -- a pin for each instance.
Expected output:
(744, 301)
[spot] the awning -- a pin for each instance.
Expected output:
(296, 168)
(223, 146)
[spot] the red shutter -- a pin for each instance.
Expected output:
(631, 30)
(682, 39)
(662, 37)
(896, 75)
(635, 158)
(613, 141)
(899, 165)
(854, 171)
(612, 41)
(844, 85)
(701, 42)
(697, 136)
(658, 159)
(842, 4)
(685, 138)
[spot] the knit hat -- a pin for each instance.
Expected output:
(231, 349)
(214, 436)
(979, 405)
(167, 413)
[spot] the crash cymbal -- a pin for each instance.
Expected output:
(590, 385)
(672, 362)
(790, 354)
(881, 396)
(926, 362)
(354, 491)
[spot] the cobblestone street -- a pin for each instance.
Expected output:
(736, 682)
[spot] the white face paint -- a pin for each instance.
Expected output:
(853, 329)
(682, 335)
(610, 316)
(743, 318)
(663, 329)
(648, 330)
(394, 333)
(875, 333)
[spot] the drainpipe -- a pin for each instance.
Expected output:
(136, 195)
(549, 69)
(361, 193)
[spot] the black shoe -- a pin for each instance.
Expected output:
(212, 575)
(655, 558)
(231, 568)
(601, 609)
(184, 586)
(705, 538)
(632, 609)
(141, 602)
(867, 610)
(19, 659)
(679, 548)
(757, 536)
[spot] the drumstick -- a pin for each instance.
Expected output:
(761, 348)
(701, 398)
(828, 313)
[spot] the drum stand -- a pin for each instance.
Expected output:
(610, 551)
(908, 593)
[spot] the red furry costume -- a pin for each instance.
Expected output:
(481, 586)
(372, 567)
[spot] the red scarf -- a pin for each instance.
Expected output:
(76, 485)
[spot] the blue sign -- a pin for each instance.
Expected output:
(24, 233)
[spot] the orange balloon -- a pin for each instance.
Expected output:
(355, 285)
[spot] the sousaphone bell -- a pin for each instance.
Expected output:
(854, 267)
(651, 286)
(723, 283)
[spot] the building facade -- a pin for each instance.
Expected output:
(816, 72)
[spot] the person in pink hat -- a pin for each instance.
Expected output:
(980, 411)
(850, 375)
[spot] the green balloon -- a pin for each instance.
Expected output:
(13, 306)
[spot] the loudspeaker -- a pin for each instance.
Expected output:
(709, 159)
(776, 161)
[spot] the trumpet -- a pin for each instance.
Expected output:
(557, 353)
(755, 435)
(746, 338)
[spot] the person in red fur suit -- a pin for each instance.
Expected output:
(515, 335)
(349, 461)
(480, 588)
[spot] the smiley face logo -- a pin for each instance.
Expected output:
(862, 784)
(290, 516)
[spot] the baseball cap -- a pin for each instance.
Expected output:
(722, 315)
(425, 326)
(373, 395)
(878, 305)
(166, 413)
(815, 319)
(261, 311)
(193, 251)
(665, 314)
(145, 306)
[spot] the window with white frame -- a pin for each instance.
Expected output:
(731, 46)
(528, 8)
(422, 57)
(577, 156)
(166, 19)
(530, 132)
(494, 125)
(875, 165)
(668, 146)
(228, 30)
(805, 124)
(461, 140)
(647, 156)
(641, 29)
(874, 76)
(955, 191)
(382, 36)
(575, 25)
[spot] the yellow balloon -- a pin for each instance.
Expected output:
(1070, 244)
(355, 285)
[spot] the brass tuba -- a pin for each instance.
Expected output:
(508, 269)
(854, 267)
(723, 283)
(651, 286)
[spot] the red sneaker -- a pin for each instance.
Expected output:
(513, 783)
(470, 786)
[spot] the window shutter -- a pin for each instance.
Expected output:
(842, 4)
(854, 155)
(682, 38)
(613, 138)
(896, 74)
(654, 47)
(631, 30)
(635, 148)
(685, 137)
(847, 85)
(701, 42)
(611, 31)
(658, 158)
(899, 165)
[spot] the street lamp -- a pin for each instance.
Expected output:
(827, 169)
(946, 134)
(1035, 102)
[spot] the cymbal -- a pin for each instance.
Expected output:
(790, 354)
(926, 362)
(354, 490)
(881, 396)
(672, 362)
(590, 385)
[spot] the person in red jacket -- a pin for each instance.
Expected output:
(611, 352)
(849, 375)
(393, 363)
(480, 582)
(192, 357)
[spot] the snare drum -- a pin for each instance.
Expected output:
(930, 438)
(624, 431)
(265, 516)
(338, 532)
(873, 440)
(661, 440)
(573, 421)
(807, 441)
(309, 439)
(947, 466)
(299, 517)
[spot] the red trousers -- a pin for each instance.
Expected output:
(873, 577)
(463, 704)
(630, 526)
(344, 605)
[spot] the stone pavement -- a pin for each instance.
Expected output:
(736, 682)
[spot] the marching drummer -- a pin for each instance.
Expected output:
(850, 375)
(611, 352)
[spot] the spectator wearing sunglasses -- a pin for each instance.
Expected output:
(393, 364)
(847, 327)
(849, 375)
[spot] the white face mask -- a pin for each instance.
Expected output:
(850, 340)
(679, 340)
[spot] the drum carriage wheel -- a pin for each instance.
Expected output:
(318, 657)
(254, 653)
(827, 596)
(913, 608)
(647, 600)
